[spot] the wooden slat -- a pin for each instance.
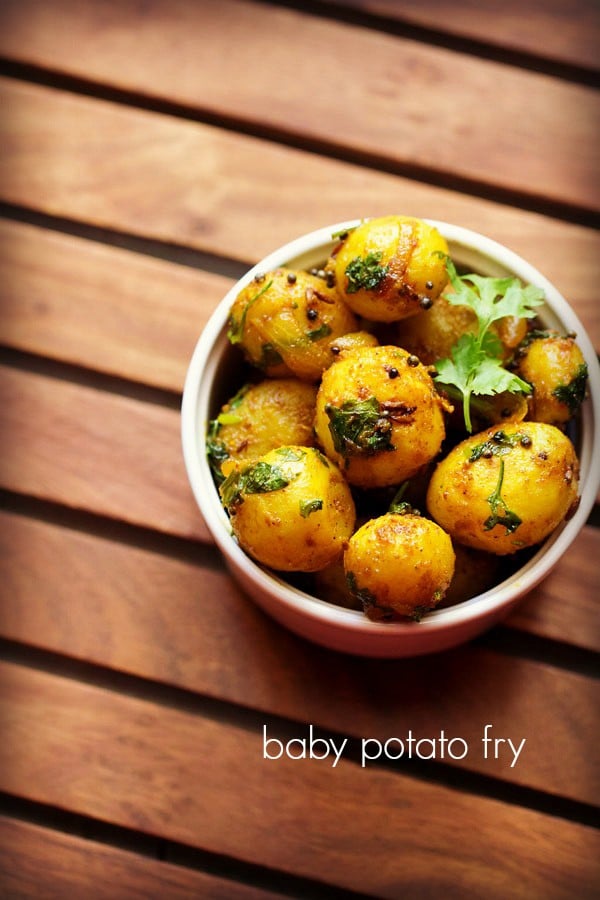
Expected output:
(38, 862)
(120, 312)
(565, 605)
(170, 621)
(563, 31)
(95, 451)
(192, 184)
(102, 307)
(205, 783)
(417, 105)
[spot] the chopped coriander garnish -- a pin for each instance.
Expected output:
(573, 393)
(365, 272)
(236, 329)
(229, 418)
(317, 333)
(216, 451)
(360, 427)
(259, 478)
(269, 357)
(501, 514)
(310, 506)
(499, 444)
(475, 363)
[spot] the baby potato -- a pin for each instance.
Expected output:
(291, 509)
(557, 372)
(399, 565)
(502, 490)
(390, 267)
(285, 320)
(431, 335)
(273, 413)
(379, 416)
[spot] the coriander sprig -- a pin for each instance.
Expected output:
(475, 362)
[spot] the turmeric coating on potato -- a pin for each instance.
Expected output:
(291, 509)
(557, 372)
(390, 267)
(262, 417)
(285, 320)
(505, 489)
(399, 565)
(379, 416)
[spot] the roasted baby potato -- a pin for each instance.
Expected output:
(557, 372)
(379, 416)
(285, 320)
(390, 267)
(399, 565)
(273, 413)
(502, 490)
(291, 509)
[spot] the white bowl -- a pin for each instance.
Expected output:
(215, 374)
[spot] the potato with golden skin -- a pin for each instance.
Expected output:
(285, 320)
(390, 267)
(399, 565)
(260, 417)
(501, 490)
(555, 368)
(291, 509)
(379, 416)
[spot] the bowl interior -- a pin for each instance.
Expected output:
(217, 370)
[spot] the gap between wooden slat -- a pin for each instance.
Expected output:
(402, 21)
(179, 254)
(334, 150)
(227, 713)
(158, 868)
(196, 781)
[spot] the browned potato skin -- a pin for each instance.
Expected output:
(539, 486)
(432, 333)
(417, 429)
(399, 565)
(271, 528)
(409, 249)
(273, 413)
(549, 363)
(287, 317)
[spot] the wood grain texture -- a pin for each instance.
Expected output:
(37, 862)
(570, 28)
(418, 105)
(102, 307)
(127, 609)
(206, 783)
(565, 606)
(192, 184)
(115, 311)
(95, 451)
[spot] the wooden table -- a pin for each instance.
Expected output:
(152, 152)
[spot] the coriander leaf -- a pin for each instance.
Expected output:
(236, 329)
(310, 506)
(365, 272)
(360, 427)
(499, 444)
(259, 478)
(573, 393)
(317, 333)
(475, 363)
(501, 514)
(262, 478)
